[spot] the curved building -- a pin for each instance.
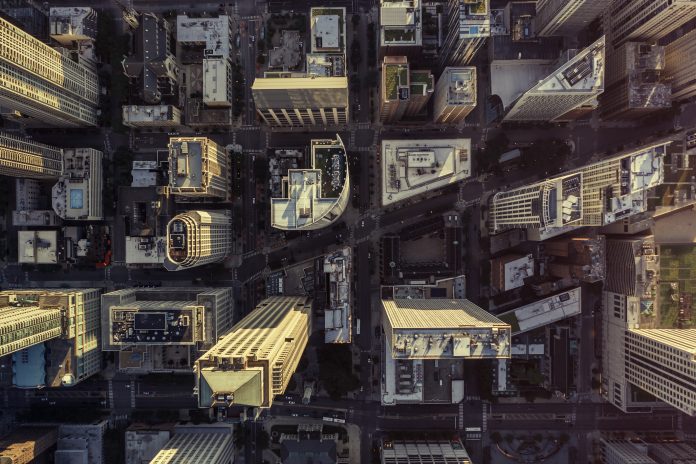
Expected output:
(195, 238)
(316, 197)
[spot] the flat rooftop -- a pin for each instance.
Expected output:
(213, 32)
(146, 250)
(461, 85)
(583, 72)
(37, 246)
(186, 163)
(543, 312)
(516, 271)
(326, 64)
(338, 315)
(327, 29)
(400, 22)
(474, 19)
(151, 113)
(311, 194)
(415, 167)
(155, 322)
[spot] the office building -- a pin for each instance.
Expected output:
(423, 451)
(69, 25)
(338, 319)
(151, 327)
(299, 99)
(77, 196)
(578, 81)
(594, 195)
(37, 246)
(395, 87)
(316, 197)
(256, 359)
(198, 169)
(625, 452)
(196, 238)
(543, 312)
(39, 85)
(422, 83)
(26, 444)
(455, 95)
(151, 116)
(648, 20)
(680, 66)
(153, 67)
(509, 272)
(66, 320)
(566, 17)
(400, 24)
(634, 84)
(25, 158)
(214, 35)
(327, 30)
(416, 167)
(209, 444)
(468, 28)
(81, 443)
(28, 15)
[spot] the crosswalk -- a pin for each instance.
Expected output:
(484, 419)
(111, 394)
(132, 392)
(460, 422)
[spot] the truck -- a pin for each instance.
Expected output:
(357, 326)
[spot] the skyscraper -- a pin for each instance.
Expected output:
(195, 238)
(468, 27)
(455, 95)
(395, 89)
(565, 17)
(255, 361)
(593, 195)
(24, 158)
(77, 195)
(424, 451)
(198, 168)
(39, 82)
(577, 81)
(68, 320)
(209, 444)
(298, 99)
(400, 24)
(314, 197)
(648, 20)
(680, 66)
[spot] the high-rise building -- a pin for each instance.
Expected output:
(468, 28)
(593, 195)
(648, 20)
(255, 361)
(455, 95)
(209, 444)
(66, 320)
(680, 66)
(400, 23)
(423, 452)
(633, 82)
(395, 87)
(153, 66)
(77, 196)
(39, 82)
(625, 452)
(198, 168)
(328, 30)
(26, 444)
(29, 15)
(151, 327)
(195, 238)
(25, 158)
(69, 25)
(422, 83)
(565, 17)
(315, 197)
(577, 81)
(151, 115)
(299, 99)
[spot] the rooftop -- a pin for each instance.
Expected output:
(396, 83)
(415, 167)
(146, 250)
(400, 22)
(77, 194)
(647, 88)
(326, 64)
(156, 323)
(216, 82)
(327, 29)
(543, 312)
(68, 24)
(37, 246)
(134, 114)
(337, 316)
(461, 89)
(314, 194)
(474, 19)
(213, 32)
(516, 271)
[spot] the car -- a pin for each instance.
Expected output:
(252, 38)
(294, 414)
(51, 403)
(362, 388)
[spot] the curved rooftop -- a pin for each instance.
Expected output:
(314, 197)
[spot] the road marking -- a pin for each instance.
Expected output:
(484, 422)
(132, 393)
(461, 416)
(111, 394)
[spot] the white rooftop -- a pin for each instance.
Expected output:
(73, 23)
(414, 167)
(146, 250)
(37, 246)
(135, 114)
(144, 174)
(214, 32)
(544, 312)
(337, 316)
(326, 28)
(215, 81)
(518, 270)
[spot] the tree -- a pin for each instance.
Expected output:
(336, 379)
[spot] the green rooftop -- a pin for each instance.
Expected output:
(399, 35)
(677, 266)
(395, 75)
(422, 77)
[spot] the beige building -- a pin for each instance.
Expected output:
(400, 23)
(40, 83)
(424, 451)
(151, 116)
(26, 444)
(315, 197)
(255, 361)
(468, 27)
(196, 238)
(203, 444)
(67, 319)
(25, 158)
(578, 81)
(648, 20)
(593, 195)
(680, 66)
(455, 95)
(72, 24)
(297, 99)
(198, 168)
(634, 83)
(565, 17)
(77, 196)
